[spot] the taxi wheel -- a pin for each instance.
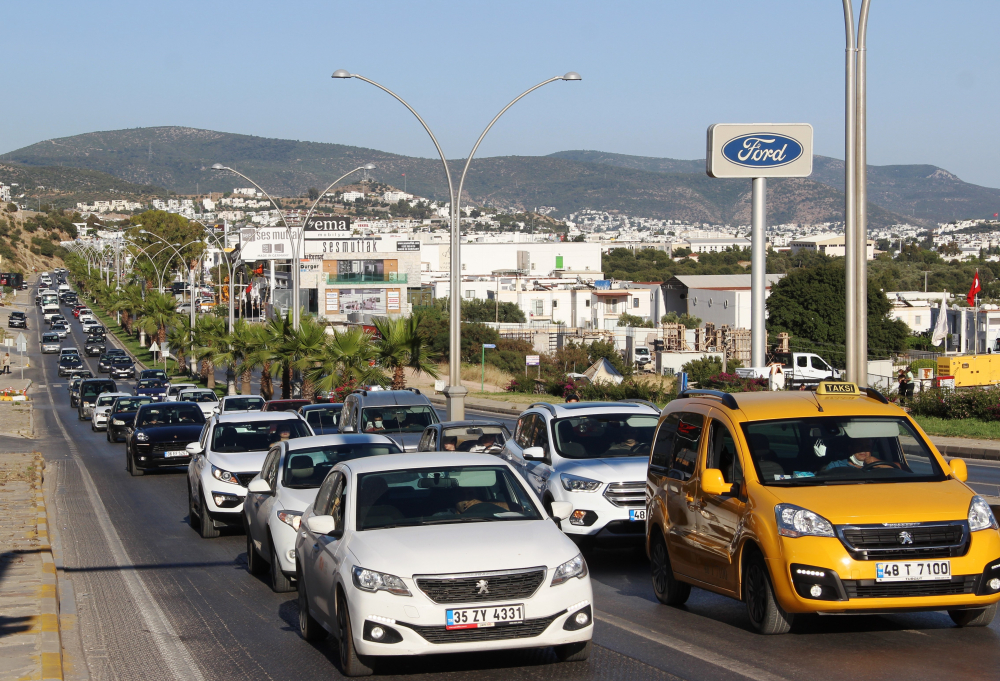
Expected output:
(765, 614)
(973, 618)
(351, 664)
(309, 626)
(668, 589)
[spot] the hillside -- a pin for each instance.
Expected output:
(919, 192)
(180, 159)
(64, 186)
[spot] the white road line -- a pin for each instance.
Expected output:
(175, 654)
(697, 652)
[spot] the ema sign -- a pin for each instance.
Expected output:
(327, 226)
(760, 150)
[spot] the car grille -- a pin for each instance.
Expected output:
(466, 588)
(498, 632)
(631, 494)
(245, 478)
(929, 540)
(869, 588)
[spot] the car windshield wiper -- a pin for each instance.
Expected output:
(475, 519)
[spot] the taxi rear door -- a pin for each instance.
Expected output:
(681, 486)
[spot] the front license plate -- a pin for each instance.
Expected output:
(913, 571)
(478, 618)
(636, 514)
(182, 452)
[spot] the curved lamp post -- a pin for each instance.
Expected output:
(455, 392)
(296, 238)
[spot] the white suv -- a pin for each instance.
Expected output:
(592, 455)
(228, 456)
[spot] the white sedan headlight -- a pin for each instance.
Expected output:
(369, 580)
(980, 515)
(574, 483)
(795, 521)
(575, 567)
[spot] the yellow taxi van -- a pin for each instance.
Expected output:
(832, 501)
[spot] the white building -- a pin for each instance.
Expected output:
(828, 244)
(396, 197)
(719, 299)
(717, 244)
(351, 197)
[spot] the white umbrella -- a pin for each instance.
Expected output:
(941, 326)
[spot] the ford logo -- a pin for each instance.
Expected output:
(761, 150)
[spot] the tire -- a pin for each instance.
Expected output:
(107, 434)
(667, 588)
(981, 617)
(573, 652)
(309, 626)
(206, 526)
(92, 426)
(280, 583)
(255, 564)
(351, 664)
(131, 467)
(763, 609)
(192, 513)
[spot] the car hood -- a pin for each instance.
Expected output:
(238, 462)
(126, 416)
(297, 499)
(182, 433)
(613, 469)
(407, 441)
(900, 502)
(473, 547)
(150, 391)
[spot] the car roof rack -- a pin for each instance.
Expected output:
(727, 398)
(636, 400)
(875, 395)
(544, 405)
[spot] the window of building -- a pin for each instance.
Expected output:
(586, 303)
(916, 320)
(555, 303)
(613, 305)
(635, 302)
(539, 306)
(470, 294)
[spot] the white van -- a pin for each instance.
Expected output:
(49, 310)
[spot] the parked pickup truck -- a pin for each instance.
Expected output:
(151, 387)
(800, 368)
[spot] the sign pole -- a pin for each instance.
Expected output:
(758, 272)
(482, 381)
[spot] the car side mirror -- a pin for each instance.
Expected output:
(194, 448)
(347, 429)
(321, 524)
(712, 483)
(959, 470)
(561, 509)
(259, 486)
(533, 453)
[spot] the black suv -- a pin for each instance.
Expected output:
(68, 363)
(122, 367)
(17, 320)
(95, 346)
(89, 390)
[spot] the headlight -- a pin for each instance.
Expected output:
(980, 515)
(574, 483)
(141, 436)
(224, 476)
(795, 521)
(118, 422)
(576, 567)
(369, 580)
(291, 518)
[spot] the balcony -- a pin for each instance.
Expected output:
(363, 279)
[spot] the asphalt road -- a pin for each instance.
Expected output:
(155, 601)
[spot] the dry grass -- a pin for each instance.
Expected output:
(494, 377)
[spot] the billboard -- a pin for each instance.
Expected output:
(265, 243)
(407, 245)
(760, 150)
(327, 227)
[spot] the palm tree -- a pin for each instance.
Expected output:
(261, 357)
(208, 332)
(233, 350)
(158, 312)
(346, 359)
(402, 346)
(180, 340)
(306, 343)
(128, 302)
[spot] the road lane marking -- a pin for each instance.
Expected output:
(175, 654)
(690, 649)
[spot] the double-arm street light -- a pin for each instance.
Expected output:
(296, 238)
(455, 392)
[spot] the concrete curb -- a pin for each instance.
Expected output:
(440, 401)
(51, 649)
(968, 452)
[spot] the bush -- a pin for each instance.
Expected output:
(701, 370)
(521, 384)
(974, 403)
(627, 389)
(731, 383)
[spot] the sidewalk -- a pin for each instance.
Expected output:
(30, 643)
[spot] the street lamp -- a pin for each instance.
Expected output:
(455, 392)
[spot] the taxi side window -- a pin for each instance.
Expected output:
(663, 443)
(722, 454)
(685, 455)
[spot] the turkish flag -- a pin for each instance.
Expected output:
(974, 289)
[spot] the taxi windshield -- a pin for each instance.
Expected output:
(839, 450)
(599, 436)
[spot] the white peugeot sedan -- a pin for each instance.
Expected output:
(102, 409)
(226, 458)
(206, 400)
(428, 553)
(286, 486)
(592, 455)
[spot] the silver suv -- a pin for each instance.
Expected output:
(401, 415)
(592, 455)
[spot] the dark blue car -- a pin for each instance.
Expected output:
(323, 418)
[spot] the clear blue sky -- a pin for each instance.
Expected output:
(656, 73)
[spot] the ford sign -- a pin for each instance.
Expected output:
(761, 150)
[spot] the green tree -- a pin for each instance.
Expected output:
(208, 332)
(608, 351)
(159, 312)
(232, 351)
(487, 311)
(179, 336)
(313, 193)
(684, 318)
(626, 319)
(346, 360)
(403, 346)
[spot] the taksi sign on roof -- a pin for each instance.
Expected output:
(760, 150)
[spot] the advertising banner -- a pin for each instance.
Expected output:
(407, 245)
(327, 226)
(327, 245)
(265, 243)
(760, 150)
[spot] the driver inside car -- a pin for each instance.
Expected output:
(861, 455)
(469, 500)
